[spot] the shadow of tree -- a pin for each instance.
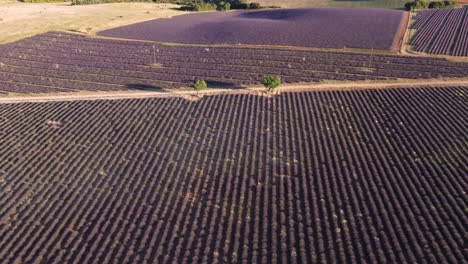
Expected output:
(144, 87)
(224, 85)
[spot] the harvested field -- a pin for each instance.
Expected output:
(59, 62)
(313, 27)
(20, 20)
(315, 177)
(442, 31)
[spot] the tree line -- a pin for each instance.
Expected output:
(220, 5)
(423, 4)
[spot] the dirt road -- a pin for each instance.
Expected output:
(191, 95)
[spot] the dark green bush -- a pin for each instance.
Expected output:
(422, 4)
(255, 6)
(443, 4)
(223, 6)
(416, 5)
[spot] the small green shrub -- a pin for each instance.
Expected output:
(271, 82)
(199, 85)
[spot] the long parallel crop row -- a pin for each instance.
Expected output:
(442, 31)
(315, 177)
(68, 62)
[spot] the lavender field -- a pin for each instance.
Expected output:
(443, 31)
(313, 27)
(376, 176)
(57, 62)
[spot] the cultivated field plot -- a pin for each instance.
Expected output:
(365, 176)
(313, 27)
(396, 4)
(442, 31)
(59, 62)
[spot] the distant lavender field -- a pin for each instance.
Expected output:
(442, 31)
(308, 27)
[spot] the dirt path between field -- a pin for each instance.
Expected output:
(192, 95)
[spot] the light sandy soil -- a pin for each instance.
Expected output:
(20, 20)
(405, 48)
(192, 95)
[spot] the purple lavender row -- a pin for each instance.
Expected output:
(166, 75)
(205, 50)
(309, 62)
(180, 80)
(161, 57)
(423, 17)
(180, 71)
(212, 51)
(443, 42)
(293, 69)
(78, 76)
(58, 36)
(60, 83)
(167, 61)
(212, 72)
(461, 44)
(183, 75)
(212, 67)
(226, 52)
(424, 37)
(444, 33)
(460, 68)
(15, 87)
(112, 73)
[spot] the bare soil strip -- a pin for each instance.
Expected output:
(247, 90)
(401, 34)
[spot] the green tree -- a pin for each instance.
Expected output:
(271, 82)
(223, 6)
(254, 6)
(199, 85)
(416, 5)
